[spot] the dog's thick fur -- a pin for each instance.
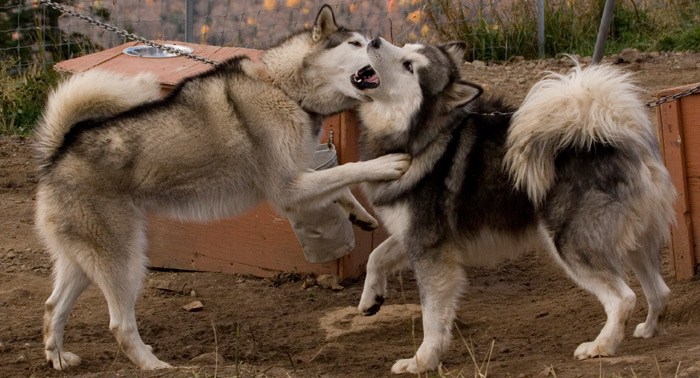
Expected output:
(110, 152)
(575, 171)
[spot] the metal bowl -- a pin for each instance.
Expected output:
(145, 51)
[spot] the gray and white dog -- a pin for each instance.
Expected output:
(111, 151)
(575, 171)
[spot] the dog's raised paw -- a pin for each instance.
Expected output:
(392, 166)
(364, 224)
(374, 308)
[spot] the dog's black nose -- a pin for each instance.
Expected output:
(376, 42)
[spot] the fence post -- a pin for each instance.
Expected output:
(540, 28)
(603, 31)
(189, 20)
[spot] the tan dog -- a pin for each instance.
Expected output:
(111, 152)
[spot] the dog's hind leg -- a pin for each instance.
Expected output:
(101, 239)
(440, 281)
(601, 276)
(355, 212)
(386, 258)
(120, 277)
(69, 283)
(646, 264)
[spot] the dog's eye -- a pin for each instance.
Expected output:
(408, 66)
(355, 43)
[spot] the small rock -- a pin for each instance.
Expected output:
(530, 65)
(209, 359)
(327, 281)
(634, 67)
(337, 287)
(478, 64)
(586, 59)
(518, 58)
(194, 306)
(10, 254)
(21, 358)
(16, 261)
(309, 281)
(167, 285)
(629, 55)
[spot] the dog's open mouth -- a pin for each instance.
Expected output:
(365, 78)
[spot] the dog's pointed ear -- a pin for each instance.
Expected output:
(456, 51)
(459, 94)
(325, 24)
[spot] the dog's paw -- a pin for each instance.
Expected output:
(392, 166)
(62, 360)
(646, 331)
(366, 223)
(369, 307)
(593, 349)
(154, 365)
(406, 366)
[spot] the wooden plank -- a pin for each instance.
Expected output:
(681, 233)
(261, 243)
(89, 61)
(690, 120)
(670, 91)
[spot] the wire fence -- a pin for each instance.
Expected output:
(28, 29)
(31, 33)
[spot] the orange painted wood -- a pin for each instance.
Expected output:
(672, 140)
(87, 62)
(261, 242)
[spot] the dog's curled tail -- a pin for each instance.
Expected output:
(598, 104)
(89, 95)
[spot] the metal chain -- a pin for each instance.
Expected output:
(126, 34)
(673, 97)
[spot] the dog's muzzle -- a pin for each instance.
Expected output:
(365, 78)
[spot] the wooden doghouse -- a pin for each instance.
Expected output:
(260, 242)
(679, 133)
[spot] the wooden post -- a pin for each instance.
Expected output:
(671, 135)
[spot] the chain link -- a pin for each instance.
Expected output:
(126, 34)
(673, 97)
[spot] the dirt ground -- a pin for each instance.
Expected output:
(523, 317)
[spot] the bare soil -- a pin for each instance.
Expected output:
(523, 317)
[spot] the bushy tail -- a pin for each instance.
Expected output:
(89, 95)
(598, 104)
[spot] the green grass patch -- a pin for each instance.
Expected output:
(23, 96)
(501, 31)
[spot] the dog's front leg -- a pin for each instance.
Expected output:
(318, 188)
(440, 282)
(386, 258)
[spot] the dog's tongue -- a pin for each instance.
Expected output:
(373, 79)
